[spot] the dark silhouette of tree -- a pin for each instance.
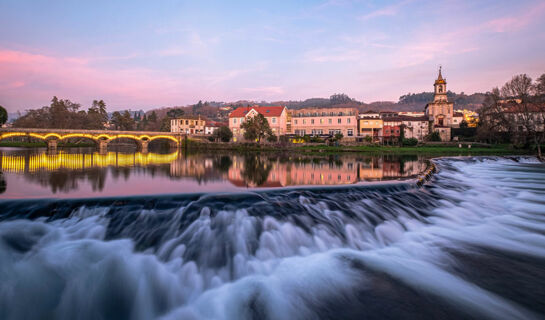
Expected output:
(3, 116)
(223, 134)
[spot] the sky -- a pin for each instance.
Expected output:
(146, 54)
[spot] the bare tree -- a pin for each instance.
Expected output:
(515, 109)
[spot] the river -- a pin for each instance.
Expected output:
(469, 243)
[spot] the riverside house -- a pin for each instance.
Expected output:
(325, 121)
(188, 125)
(275, 115)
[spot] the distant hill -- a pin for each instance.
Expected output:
(407, 102)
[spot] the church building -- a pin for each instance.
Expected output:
(440, 111)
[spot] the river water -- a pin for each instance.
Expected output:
(470, 243)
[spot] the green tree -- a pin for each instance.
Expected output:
(223, 134)
(97, 115)
(3, 116)
(463, 124)
(256, 128)
(175, 113)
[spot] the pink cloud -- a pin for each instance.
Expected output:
(26, 78)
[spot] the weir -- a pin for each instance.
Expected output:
(101, 137)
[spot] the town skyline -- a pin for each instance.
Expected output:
(174, 54)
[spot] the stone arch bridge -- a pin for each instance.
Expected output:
(101, 137)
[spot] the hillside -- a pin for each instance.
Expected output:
(407, 102)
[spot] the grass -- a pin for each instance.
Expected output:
(425, 149)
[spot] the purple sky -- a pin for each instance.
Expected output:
(143, 54)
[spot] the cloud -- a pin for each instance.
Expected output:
(26, 78)
(390, 10)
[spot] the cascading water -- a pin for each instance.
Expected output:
(469, 244)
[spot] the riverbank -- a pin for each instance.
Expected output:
(449, 149)
(427, 149)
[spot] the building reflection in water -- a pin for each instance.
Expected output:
(255, 171)
(65, 171)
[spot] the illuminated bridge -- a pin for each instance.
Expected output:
(100, 137)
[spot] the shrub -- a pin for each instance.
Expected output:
(409, 142)
(224, 134)
(272, 138)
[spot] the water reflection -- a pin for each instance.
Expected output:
(88, 173)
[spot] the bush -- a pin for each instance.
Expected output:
(434, 136)
(368, 139)
(223, 134)
(316, 140)
(284, 139)
(409, 142)
(338, 136)
(272, 138)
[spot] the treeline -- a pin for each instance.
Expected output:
(461, 100)
(65, 114)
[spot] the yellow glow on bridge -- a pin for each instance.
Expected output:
(62, 160)
(99, 136)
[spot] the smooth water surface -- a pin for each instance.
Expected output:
(470, 243)
(86, 173)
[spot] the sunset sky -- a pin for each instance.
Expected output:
(144, 54)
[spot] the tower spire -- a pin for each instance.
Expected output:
(440, 76)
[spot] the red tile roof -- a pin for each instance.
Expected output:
(274, 111)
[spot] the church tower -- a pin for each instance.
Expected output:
(440, 110)
(440, 88)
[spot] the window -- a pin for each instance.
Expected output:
(365, 122)
(187, 122)
(339, 120)
(311, 121)
(234, 120)
(330, 121)
(321, 121)
(348, 120)
(295, 121)
(304, 121)
(273, 120)
(350, 132)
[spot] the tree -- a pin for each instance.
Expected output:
(223, 134)
(463, 124)
(123, 121)
(256, 128)
(434, 136)
(175, 113)
(516, 111)
(540, 87)
(64, 114)
(97, 115)
(3, 116)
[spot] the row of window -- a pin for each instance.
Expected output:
(329, 121)
(319, 132)
(323, 114)
(273, 120)
(190, 122)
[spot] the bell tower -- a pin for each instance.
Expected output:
(440, 86)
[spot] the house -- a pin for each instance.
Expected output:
(391, 130)
(211, 126)
(277, 116)
(370, 126)
(415, 127)
(188, 125)
(457, 118)
(324, 121)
